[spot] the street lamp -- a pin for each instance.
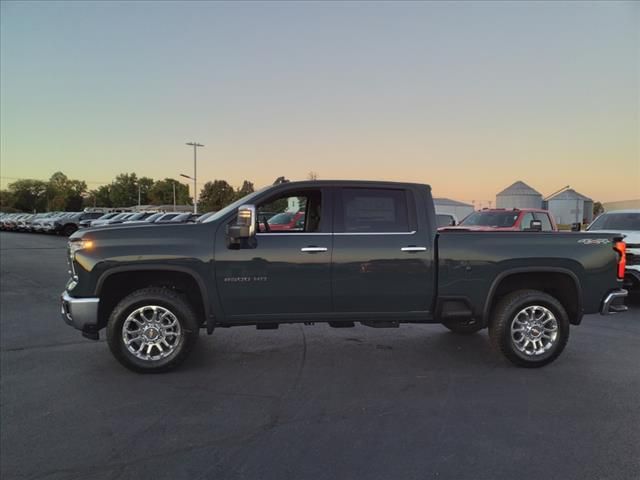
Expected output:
(195, 146)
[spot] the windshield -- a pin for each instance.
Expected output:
(233, 206)
(491, 219)
(107, 216)
(617, 221)
(153, 217)
(138, 216)
(167, 216)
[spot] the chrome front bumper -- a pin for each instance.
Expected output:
(613, 302)
(80, 313)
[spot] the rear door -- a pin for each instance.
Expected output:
(382, 258)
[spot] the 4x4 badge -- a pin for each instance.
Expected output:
(594, 241)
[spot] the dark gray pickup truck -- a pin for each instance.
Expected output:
(338, 252)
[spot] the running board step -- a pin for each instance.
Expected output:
(381, 324)
(267, 326)
(342, 324)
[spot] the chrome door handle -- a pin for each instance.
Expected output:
(313, 249)
(414, 249)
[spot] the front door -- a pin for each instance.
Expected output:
(287, 271)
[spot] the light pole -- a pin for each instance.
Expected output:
(174, 195)
(195, 146)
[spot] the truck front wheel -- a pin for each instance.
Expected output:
(152, 330)
(530, 328)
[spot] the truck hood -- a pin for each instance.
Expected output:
(123, 233)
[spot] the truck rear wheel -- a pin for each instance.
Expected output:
(464, 327)
(152, 330)
(530, 328)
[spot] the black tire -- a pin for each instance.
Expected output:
(69, 230)
(504, 314)
(168, 299)
(464, 327)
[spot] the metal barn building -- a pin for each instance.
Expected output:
(519, 195)
(569, 207)
(452, 207)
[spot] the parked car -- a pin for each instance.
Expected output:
(89, 221)
(111, 219)
(145, 221)
(10, 221)
(500, 219)
(185, 218)
(67, 224)
(139, 216)
(29, 224)
(23, 222)
(283, 221)
(367, 252)
(52, 224)
(38, 222)
(166, 217)
(204, 216)
(626, 222)
(127, 219)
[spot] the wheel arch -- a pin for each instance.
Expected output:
(559, 282)
(117, 282)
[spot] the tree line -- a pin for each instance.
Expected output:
(60, 193)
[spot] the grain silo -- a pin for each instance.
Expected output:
(569, 207)
(519, 195)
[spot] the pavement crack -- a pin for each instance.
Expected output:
(49, 345)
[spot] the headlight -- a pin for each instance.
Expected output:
(77, 245)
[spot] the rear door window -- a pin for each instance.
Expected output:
(369, 210)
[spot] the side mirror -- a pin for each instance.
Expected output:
(576, 227)
(245, 226)
(535, 226)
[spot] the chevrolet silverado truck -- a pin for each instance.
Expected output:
(366, 252)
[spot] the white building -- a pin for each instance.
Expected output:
(569, 207)
(519, 195)
(452, 207)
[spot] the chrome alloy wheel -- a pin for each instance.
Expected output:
(534, 330)
(151, 332)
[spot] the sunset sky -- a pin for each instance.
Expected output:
(468, 97)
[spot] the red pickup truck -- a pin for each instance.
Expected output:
(500, 219)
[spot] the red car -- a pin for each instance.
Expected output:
(285, 221)
(501, 219)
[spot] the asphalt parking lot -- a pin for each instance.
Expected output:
(306, 402)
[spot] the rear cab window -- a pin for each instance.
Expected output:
(374, 210)
(525, 222)
(544, 219)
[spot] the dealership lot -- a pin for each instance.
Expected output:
(306, 401)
